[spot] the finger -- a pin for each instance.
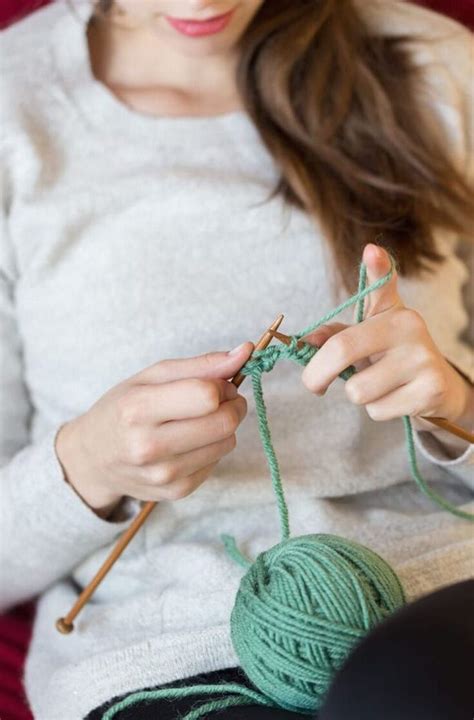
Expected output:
(210, 365)
(181, 466)
(184, 487)
(378, 380)
(156, 404)
(377, 261)
(356, 343)
(405, 400)
(183, 436)
(319, 336)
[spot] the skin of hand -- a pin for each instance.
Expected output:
(403, 372)
(158, 435)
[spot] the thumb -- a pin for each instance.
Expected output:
(378, 263)
(210, 365)
(319, 336)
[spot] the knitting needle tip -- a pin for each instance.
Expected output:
(286, 339)
(261, 345)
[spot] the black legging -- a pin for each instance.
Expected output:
(417, 665)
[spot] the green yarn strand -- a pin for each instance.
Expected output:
(234, 553)
(241, 696)
(264, 361)
(223, 703)
(362, 284)
(305, 603)
(421, 483)
(359, 297)
(271, 455)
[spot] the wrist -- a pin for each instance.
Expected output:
(465, 416)
(78, 473)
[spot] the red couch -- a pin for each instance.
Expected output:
(15, 627)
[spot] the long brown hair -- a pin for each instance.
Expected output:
(337, 106)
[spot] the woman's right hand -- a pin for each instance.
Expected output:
(157, 435)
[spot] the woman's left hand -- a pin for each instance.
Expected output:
(404, 373)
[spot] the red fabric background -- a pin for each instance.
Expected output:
(462, 10)
(15, 628)
(15, 633)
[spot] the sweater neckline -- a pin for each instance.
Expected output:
(104, 110)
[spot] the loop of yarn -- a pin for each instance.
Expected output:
(265, 360)
(303, 604)
(300, 609)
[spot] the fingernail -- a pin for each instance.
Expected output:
(375, 250)
(237, 349)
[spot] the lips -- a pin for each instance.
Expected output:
(196, 28)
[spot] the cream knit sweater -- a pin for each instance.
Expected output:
(126, 239)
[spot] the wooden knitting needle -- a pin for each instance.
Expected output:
(65, 624)
(440, 422)
(261, 345)
(286, 339)
(451, 428)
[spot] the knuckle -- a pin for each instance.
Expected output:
(342, 345)
(411, 319)
(165, 474)
(229, 421)
(140, 450)
(308, 380)
(437, 384)
(226, 446)
(374, 412)
(162, 369)
(128, 407)
(209, 359)
(178, 491)
(208, 393)
(243, 407)
(420, 355)
(355, 392)
(231, 442)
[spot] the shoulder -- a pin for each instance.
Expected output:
(27, 74)
(26, 43)
(443, 50)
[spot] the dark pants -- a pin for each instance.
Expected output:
(417, 665)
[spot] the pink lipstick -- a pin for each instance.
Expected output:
(195, 28)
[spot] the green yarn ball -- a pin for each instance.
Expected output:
(299, 610)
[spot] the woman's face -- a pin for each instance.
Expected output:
(214, 25)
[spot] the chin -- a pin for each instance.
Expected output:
(196, 47)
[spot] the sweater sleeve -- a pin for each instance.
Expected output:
(448, 324)
(456, 457)
(450, 71)
(45, 527)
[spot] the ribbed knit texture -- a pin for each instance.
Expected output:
(126, 239)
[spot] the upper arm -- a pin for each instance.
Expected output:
(15, 406)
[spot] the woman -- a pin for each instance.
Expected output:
(143, 140)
